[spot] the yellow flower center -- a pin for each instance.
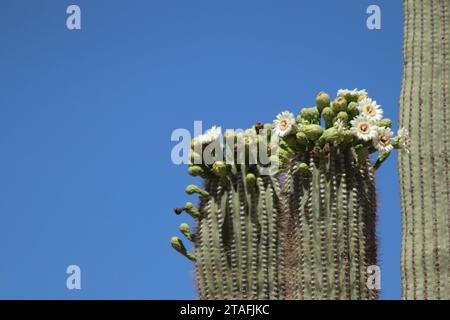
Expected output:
(370, 110)
(284, 124)
(364, 127)
(384, 140)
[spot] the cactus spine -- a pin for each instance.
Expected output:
(307, 231)
(424, 173)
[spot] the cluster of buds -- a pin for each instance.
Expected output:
(216, 154)
(352, 119)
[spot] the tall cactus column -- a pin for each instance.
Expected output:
(424, 172)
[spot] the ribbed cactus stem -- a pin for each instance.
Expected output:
(236, 241)
(424, 172)
(333, 222)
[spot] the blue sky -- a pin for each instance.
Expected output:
(86, 118)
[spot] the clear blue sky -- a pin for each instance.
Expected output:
(86, 117)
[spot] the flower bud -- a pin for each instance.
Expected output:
(192, 210)
(343, 116)
(178, 245)
(322, 101)
(303, 167)
(250, 180)
(386, 122)
(301, 138)
(311, 115)
(352, 109)
(328, 116)
(339, 104)
(196, 171)
(331, 135)
(191, 189)
(312, 131)
(219, 168)
(186, 231)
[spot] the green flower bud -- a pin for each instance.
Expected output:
(186, 231)
(191, 189)
(192, 210)
(311, 115)
(219, 168)
(339, 104)
(362, 96)
(250, 180)
(301, 138)
(343, 116)
(386, 122)
(303, 167)
(328, 116)
(195, 158)
(331, 135)
(322, 101)
(312, 131)
(196, 171)
(352, 109)
(178, 245)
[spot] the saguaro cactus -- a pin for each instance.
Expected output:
(424, 173)
(306, 232)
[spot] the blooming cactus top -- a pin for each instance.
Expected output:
(351, 120)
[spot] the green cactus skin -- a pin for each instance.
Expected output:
(330, 211)
(237, 239)
(424, 173)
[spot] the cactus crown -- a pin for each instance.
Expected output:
(351, 121)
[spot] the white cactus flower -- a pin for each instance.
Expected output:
(354, 92)
(370, 109)
(404, 140)
(283, 124)
(383, 140)
(363, 128)
(210, 135)
(339, 125)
